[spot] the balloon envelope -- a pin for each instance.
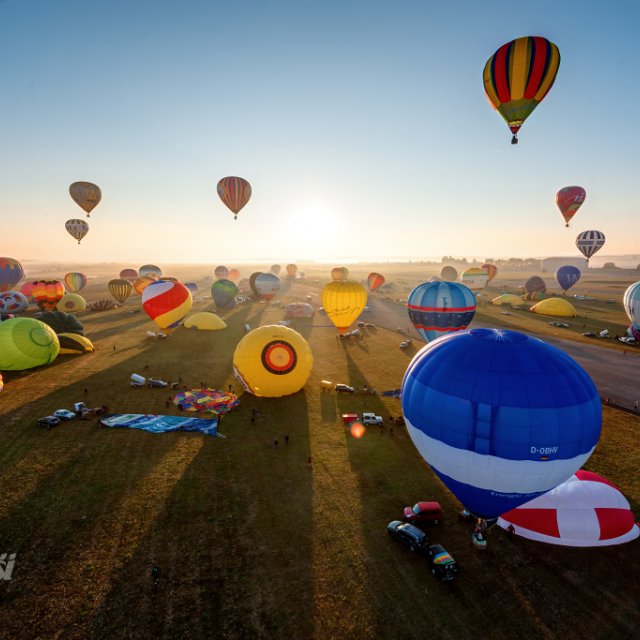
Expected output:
(224, 294)
(150, 271)
(221, 272)
(518, 76)
(276, 268)
(47, 293)
(339, 273)
(449, 273)
(554, 307)
(13, 302)
(535, 284)
(77, 228)
(343, 302)
(86, 195)
(71, 303)
(475, 278)
(438, 308)
(62, 322)
(588, 242)
(292, 269)
(120, 289)
(569, 200)
(26, 343)
(234, 192)
(631, 303)
(140, 284)
(267, 285)
(501, 417)
(567, 276)
(234, 275)
(11, 273)
(375, 280)
(75, 281)
(491, 271)
(129, 274)
(166, 303)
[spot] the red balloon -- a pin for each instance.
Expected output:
(569, 200)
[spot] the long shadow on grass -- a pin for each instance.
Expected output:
(234, 542)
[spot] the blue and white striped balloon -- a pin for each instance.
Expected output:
(631, 303)
(501, 417)
(437, 308)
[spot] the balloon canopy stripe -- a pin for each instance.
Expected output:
(416, 307)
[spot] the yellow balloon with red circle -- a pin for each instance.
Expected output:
(273, 361)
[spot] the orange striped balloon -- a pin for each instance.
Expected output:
(234, 192)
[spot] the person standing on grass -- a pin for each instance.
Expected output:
(286, 440)
(155, 576)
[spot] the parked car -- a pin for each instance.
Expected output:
(372, 419)
(64, 414)
(343, 388)
(160, 384)
(49, 421)
(408, 534)
(589, 334)
(443, 566)
(423, 512)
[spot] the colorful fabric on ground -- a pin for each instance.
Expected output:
(211, 400)
(161, 424)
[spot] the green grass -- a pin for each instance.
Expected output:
(253, 541)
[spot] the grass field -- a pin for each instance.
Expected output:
(251, 539)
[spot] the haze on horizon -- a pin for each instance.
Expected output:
(363, 131)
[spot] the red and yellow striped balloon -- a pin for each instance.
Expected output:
(234, 192)
(166, 303)
(518, 76)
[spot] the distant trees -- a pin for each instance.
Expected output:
(610, 265)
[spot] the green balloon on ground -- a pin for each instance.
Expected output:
(26, 343)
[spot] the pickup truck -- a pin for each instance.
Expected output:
(371, 418)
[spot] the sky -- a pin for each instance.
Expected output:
(362, 127)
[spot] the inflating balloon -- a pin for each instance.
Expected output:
(276, 268)
(491, 270)
(63, 322)
(267, 285)
(120, 289)
(75, 281)
(129, 274)
(535, 284)
(74, 344)
(339, 273)
(224, 294)
(235, 193)
(140, 284)
(26, 343)
(501, 417)
(343, 302)
(221, 272)
(103, 305)
(272, 361)
(518, 76)
(234, 275)
(71, 303)
(298, 310)
(76, 228)
(631, 303)
(11, 273)
(374, 280)
(192, 286)
(438, 308)
(449, 274)
(47, 293)
(475, 278)
(166, 303)
(554, 307)
(252, 283)
(292, 269)
(13, 302)
(205, 321)
(569, 200)
(150, 271)
(588, 242)
(567, 276)
(86, 195)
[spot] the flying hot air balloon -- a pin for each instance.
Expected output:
(166, 303)
(518, 76)
(374, 280)
(267, 285)
(75, 281)
(437, 308)
(120, 289)
(588, 242)
(569, 200)
(235, 193)
(77, 228)
(11, 273)
(47, 293)
(86, 195)
(501, 417)
(567, 276)
(491, 270)
(224, 294)
(343, 301)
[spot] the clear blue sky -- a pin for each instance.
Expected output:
(362, 127)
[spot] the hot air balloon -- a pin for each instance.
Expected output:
(276, 268)
(438, 308)
(234, 275)
(267, 285)
(535, 284)
(272, 361)
(27, 290)
(150, 271)
(75, 281)
(192, 286)
(140, 284)
(588, 242)
(10, 273)
(475, 278)
(63, 322)
(103, 305)
(166, 303)
(26, 343)
(567, 276)
(491, 270)
(501, 417)
(205, 321)
(224, 294)
(71, 303)
(292, 269)
(631, 303)
(374, 280)
(555, 307)
(343, 302)
(339, 273)
(86, 194)
(77, 228)
(449, 274)
(221, 272)
(569, 200)
(12, 302)
(129, 274)
(252, 283)
(518, 76)
(120, 289)
(47, 293)
(235, 193)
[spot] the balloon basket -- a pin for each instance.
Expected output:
(479, 543)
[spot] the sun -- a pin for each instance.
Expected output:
(312, 229)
